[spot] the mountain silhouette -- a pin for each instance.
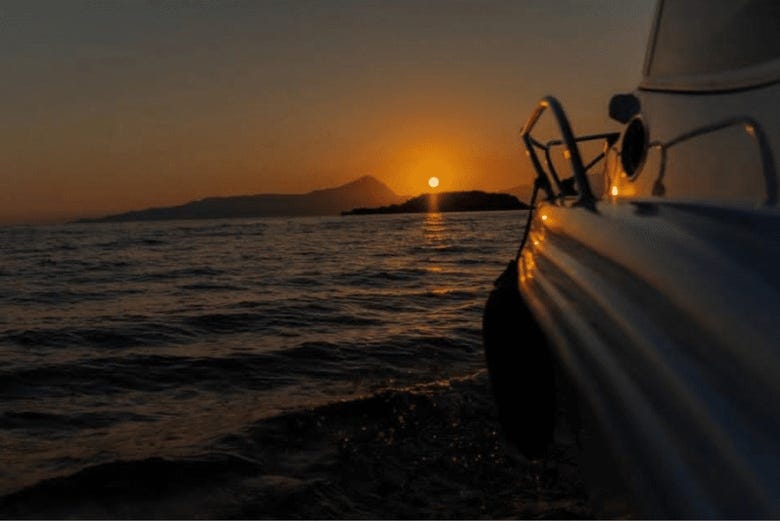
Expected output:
(365, 191)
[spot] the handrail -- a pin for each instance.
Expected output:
(549, 102)
(754, 129)
(610, 137)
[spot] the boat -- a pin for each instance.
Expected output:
(641, 315)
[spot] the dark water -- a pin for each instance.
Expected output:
(310, 367)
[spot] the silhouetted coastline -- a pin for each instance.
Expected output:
(471, 201)
(366, 190)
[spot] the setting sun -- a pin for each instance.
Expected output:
(433, 182)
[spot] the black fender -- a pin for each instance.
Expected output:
(521, 367)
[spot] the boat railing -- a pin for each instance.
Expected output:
(578, 185)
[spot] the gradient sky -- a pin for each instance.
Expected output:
(115, 105)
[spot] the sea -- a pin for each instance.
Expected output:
(311, 367)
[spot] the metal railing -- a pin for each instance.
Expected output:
(549, 178)
(753, 128)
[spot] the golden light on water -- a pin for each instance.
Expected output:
(433, 182)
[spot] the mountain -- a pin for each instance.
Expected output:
(365, 191)
(448, 202)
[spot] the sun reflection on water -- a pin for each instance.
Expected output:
(433, 227)
(434, 233)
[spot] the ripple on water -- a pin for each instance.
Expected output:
(137, 351)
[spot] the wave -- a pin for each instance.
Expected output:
(425, 451)
(401, 355)
(274, 315)
(205, 286)
(124, 243)
(124, 488)
(69, 296)
(180, 273)
(177, 341)
(119, 337)
(35, 421)
(123, 332)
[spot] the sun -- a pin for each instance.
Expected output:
(433, 182)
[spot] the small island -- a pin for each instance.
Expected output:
(471, 201)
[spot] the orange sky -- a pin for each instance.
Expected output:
(110, 106)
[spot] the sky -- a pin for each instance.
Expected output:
(112, 105)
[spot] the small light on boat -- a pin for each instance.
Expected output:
(536, 243)
(614, 191)
(544, 217)
(750, 129)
